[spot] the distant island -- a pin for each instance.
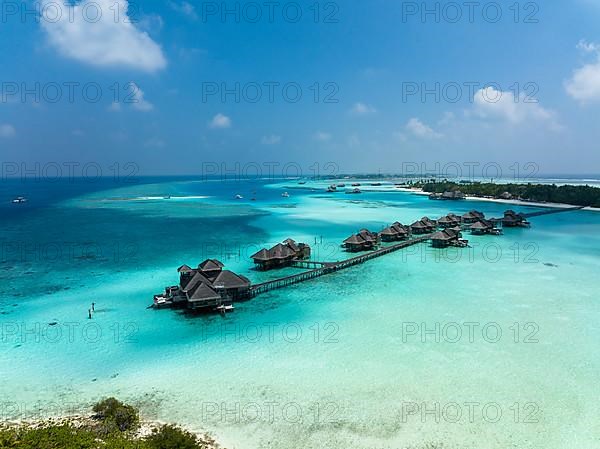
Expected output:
(577, 195)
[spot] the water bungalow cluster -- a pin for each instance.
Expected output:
(365, 240)
(512, 219)
(208, 286)
(211, 287)
(281, 255)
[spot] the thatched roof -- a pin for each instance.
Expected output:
(204, 293)
(184, 269)
(480, 225)
(291, 244)
(228, 279)
(211, 265)
(194, 281)
(355, 239)
(263, 254)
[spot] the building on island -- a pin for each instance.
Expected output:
(207, 287)
(365, 240)
(448, 195)
(396, 231)
(281, 255)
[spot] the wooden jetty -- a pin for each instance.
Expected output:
(553, 210)
(332, 267)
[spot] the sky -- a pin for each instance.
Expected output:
(186, 87)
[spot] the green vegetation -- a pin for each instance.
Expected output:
(113, 427)
(116, 416)
(568, 194)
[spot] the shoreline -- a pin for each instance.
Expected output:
(501, 201)
(145, 429)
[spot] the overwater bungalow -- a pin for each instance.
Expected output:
(472, 216)
(449, 221)
(512, 219)
(396, 231)
(281, 255)
(423, 226)
(447, 237)
(482, 227)
(207, 287)
(365, 240)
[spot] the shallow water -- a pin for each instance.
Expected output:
(492, 346)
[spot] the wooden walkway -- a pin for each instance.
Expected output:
(332, 267)
(553, 210)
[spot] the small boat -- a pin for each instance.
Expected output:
(285, 195)
(239, 197)
(353, 191)
(167, 197)
(332, 188)
(223, 309)
(19, 200)
(356, 184)
(302, 182)
(341, 185)
(161, 301)
(376, 184)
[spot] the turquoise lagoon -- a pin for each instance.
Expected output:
(377, 356)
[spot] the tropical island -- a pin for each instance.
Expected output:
(576, 195)
(113, 424)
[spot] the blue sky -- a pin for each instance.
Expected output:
(518, 89)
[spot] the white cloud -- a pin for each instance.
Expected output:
(7, 130)
(138, 101)
(362, 109)
(220, 121)
(322, 136)
(109, 41)
(420, 129)
(584, 84)
(154, 142)
(270, 140)
(587, 47)
(185, 8)
(114, 107)
(353, 141)
(77, 133)
(490, 103)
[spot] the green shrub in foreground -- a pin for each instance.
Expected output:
(116, 415)
(172, 437)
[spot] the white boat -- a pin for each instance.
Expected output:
(239, 197)
(285, 195)
(224, 309)
(356, 190)
(19, 200)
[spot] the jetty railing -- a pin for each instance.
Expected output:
(552, 211)
(332, 267)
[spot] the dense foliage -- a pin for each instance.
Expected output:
(116, 416)
(113, 430)
(568, 194)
